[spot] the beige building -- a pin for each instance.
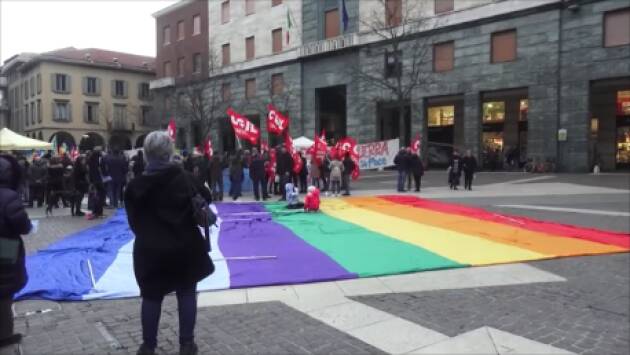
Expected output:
(83, 97)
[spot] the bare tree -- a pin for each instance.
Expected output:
(396, 31)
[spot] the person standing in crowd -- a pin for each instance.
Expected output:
(348, 168)
(303, 175)
(138, 164)
(169, 252)
(96, 180)
(55, 184)
(455, 170)
(117, 167)
(270, 176)
(14, 222)
(38, 180)
(315, 172)
(26, 178)
(283, 169)
(215, 178)
(336, 171)
(257, 174)
(81, 185)
(325, 172)
(400, 160)
(236, 176)
(417, 169)
(469, 164)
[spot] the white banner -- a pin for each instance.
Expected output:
(377, 155)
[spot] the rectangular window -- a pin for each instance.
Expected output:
(32, 112)
(166, 35)
(393, 12)
(442, 6)
(120, 113)
(180, 66)
(26, 117)
(393, 64)
(181, 31)
(276, 40)
(225, 12)
(503, 46)
(168, 71)
(26, 90)
(39, 83)
(493, 111)
(91, 112)
(250, 7)
(61, 111)
(226, 93)
(250, 46)
(197, 63)
(145, 92)
(32, 86)
(250, 88)
(61, 83)
(39, 111)
(225, 51)
(91, 86)
(120, 88)
(441, 116)
(196, 25)
(331, 23)
(277, 84)
(617, 28)
(145, 117)
(443, 56)
(275, 2)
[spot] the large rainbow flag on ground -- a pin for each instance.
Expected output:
(259, 244)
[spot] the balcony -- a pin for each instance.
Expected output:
(162, 83)
(122, 126)
(329, 45)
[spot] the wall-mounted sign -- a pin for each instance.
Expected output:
(562, 134)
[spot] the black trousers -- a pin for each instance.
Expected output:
(260, 184)
(303, 184)
(37, 194)
(186, 309)
(418, 180)
(468, 178)
(6, 317)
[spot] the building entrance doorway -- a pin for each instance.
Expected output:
(444, 125)
(504, 134)
(389, 123)
(331, 111)
(609, 145)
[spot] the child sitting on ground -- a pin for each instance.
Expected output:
(311, 201)
(292, 196)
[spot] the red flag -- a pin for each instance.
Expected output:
(349, 145)
(297, 162)
(288, 142)
(74, 153)
(207, 147)
(415, 144)
(272, 156)
(171, 129)
(264, 147)
(243, 128)
(277, 123)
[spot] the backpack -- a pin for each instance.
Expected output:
(202, 214)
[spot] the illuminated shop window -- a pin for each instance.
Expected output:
(441, 116)
(623, 103)
(493, 111)
(523, 108)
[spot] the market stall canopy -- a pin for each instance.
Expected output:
(10, 140)
(302, 143)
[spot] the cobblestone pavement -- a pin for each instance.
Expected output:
(588, 314)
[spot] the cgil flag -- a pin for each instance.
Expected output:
(243, 127)
(171, 129)
(207, 147)
(415, 145)
(277, 123)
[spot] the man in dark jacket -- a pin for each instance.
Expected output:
(417, 170)
(257, 174)
(13, 223)
(169, 252)
(215, 178)
(96, 180)
(38, 180)
(348, 168)
(401, 166)
(117, 167)
(284, 165)
(138, 164)
(469, 164)
(303, 174)
(455, 170)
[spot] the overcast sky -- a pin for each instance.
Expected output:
(40, 26)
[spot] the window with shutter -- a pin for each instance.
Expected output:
(442, 6)
(443, 56)
(276, 39)
(26, 90)
(166, 36)
(197, 63)
(277, 84)
(226, 93)
(196, 25)
(250, 88)
(393, 12)
(180, 30)
(225, 51)
(250, 48)
(225, 12)
(250, 7)
(119, 89)
(26, 117)
(39, 83)
(617, 28)
(39, 111)
(331, 23)
(275, 2)
(503, 46)
(32, 86)
(32, 113)
(90, 86)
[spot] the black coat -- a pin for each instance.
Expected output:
(169, 250)
(215, 170)
(417, 169)
(117, 167)
(257, 168)
(13, 223)
(284, 164)
(94, 168)
(401, 161)
(469, 164)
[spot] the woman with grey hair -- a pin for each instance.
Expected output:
(169, 252)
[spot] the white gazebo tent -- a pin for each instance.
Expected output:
(10, 140)
(302, 143)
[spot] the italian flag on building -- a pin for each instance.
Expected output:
(289, 24)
